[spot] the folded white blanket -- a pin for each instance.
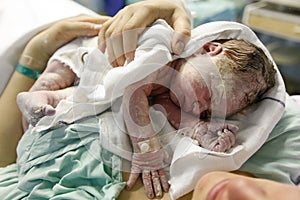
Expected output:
(101, 86)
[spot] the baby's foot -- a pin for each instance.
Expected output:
(35, 105)
(56, 76)
(217, 137)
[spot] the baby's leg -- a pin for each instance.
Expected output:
(56, 76)
(37, 104)
(216, 136)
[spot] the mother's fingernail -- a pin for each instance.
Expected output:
(179, 46)
(97, 26)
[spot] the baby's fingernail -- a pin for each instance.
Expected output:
(179, 46)
(128, 187)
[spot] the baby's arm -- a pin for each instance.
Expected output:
(212, 135)
(55, 77)
(148, 155)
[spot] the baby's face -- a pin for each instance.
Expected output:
(189, 90)
(197, 88)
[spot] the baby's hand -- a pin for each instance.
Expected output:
(215, 136)
(148, 160)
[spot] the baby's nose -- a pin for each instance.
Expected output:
(198, 108)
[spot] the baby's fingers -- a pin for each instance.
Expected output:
(132, 180)
(164, 180)
(147, 181)
(156, 184)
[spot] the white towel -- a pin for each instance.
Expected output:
(98, 91)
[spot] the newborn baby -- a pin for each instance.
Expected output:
(188, 96)
(190, 93)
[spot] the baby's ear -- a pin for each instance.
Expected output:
(212, 48)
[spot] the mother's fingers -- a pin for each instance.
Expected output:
(97, 19)
(78, 29)
(82, 25)
(121, 47)
(110, 28)
(120, 34)
(130, 39)
(182, 28)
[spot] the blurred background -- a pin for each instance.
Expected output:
(276, 22)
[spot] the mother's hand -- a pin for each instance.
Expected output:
(42, 46)
(119, 35)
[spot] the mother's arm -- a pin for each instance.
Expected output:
(35, 57)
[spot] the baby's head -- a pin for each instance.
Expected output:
(244, 72)
(249, 63)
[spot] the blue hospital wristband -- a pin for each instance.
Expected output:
(26, 71)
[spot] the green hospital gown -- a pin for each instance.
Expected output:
(64, 163)
(279, 158)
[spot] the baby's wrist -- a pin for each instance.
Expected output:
(146, 145)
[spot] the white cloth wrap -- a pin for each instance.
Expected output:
(97, 91)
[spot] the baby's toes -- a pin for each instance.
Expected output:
(39, 112)
(48, 110)
(21, 99)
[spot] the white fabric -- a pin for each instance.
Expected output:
(96, 92)
(22, 19)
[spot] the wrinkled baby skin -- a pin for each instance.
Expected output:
(34, 104)
(189, 96)
(190, 92)
(215, 136)
(148, 155)
(56, 76)
(37, 104)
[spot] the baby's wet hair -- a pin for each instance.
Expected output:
(250, 58)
